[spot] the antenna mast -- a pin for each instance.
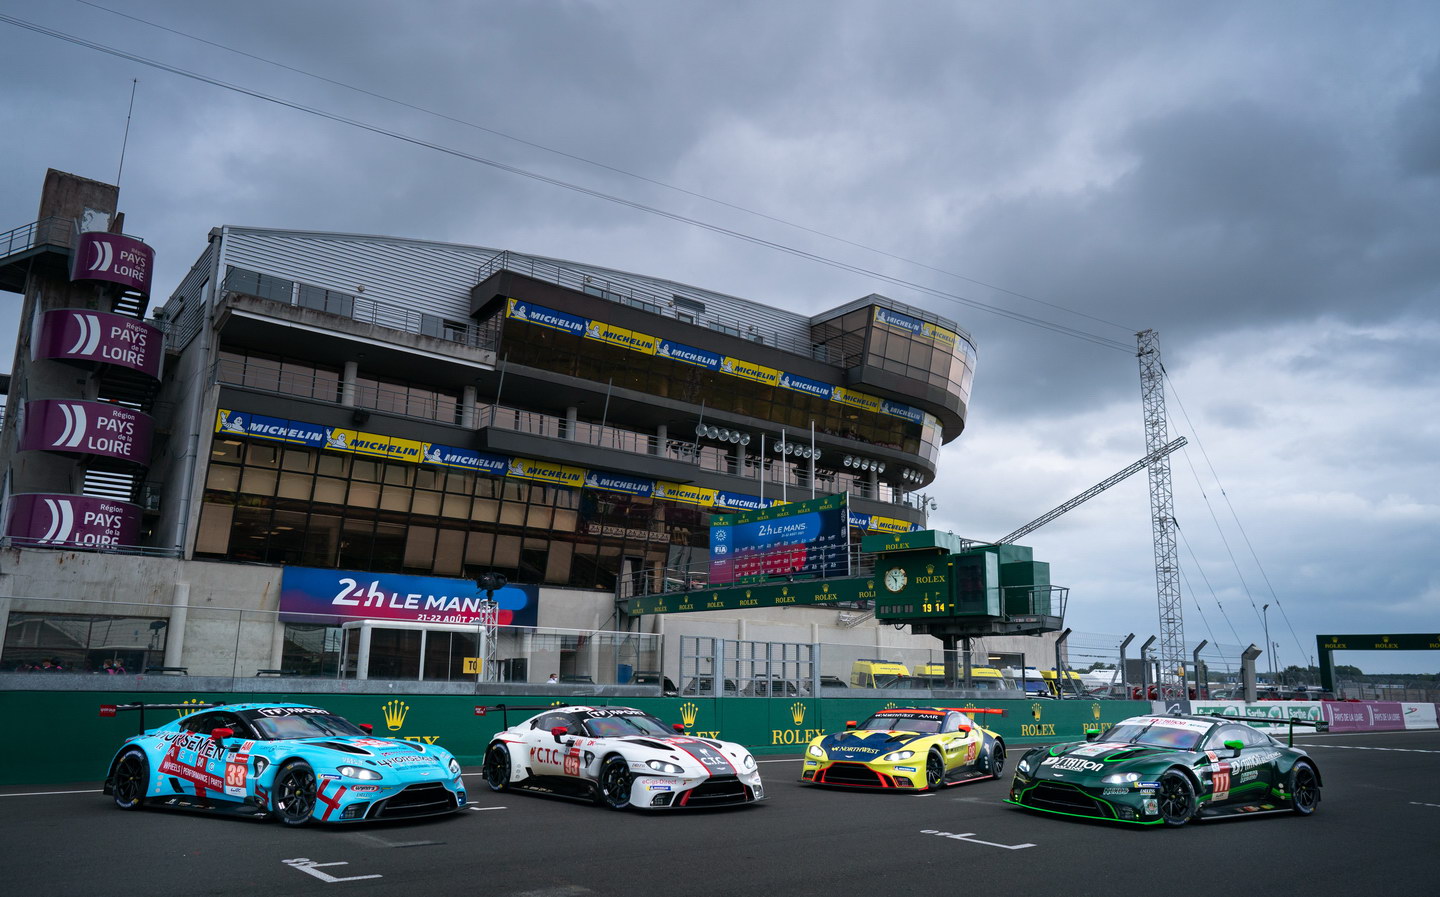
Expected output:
(1171, 679)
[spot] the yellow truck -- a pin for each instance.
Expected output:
(875, 673)
(932, 675)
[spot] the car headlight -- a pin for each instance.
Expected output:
(897, 756)
(357, 772)
(454, 767)
(672, 769)
(747, 763)
(815, 750)
(1026, 764)
(1121, 778)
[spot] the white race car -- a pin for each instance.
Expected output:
(618, 757)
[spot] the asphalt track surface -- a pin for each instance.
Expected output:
(1377, 829)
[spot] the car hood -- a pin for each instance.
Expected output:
(866, 744)
(1083, 758)
(386, 751)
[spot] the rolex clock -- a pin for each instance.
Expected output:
(895, 579)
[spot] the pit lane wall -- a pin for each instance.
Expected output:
(55, 736)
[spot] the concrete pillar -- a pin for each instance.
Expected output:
(662, 436)
(175, 637)
(347, 384)
(572, 417)
(467, 407)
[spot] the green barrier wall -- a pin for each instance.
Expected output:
(59, 737)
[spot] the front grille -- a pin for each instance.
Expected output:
(416, 800)
(1065, 799)
(855, 774)
(717, 791)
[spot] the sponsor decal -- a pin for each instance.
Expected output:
(544, 317)
(395, 712)
(619, 336)
(313, 595)
(237, 770)
(75, 521)
(688, 355)
(906, 769)
(91, 428)
(1072, 763)
(113, 258)
(614, 482)
(797, 383)
(463, 459)
(545, 472)
(746, 370)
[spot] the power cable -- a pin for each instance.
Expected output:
(577, 158)
(1061, 329)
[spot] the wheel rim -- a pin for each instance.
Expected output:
(615, 784)
(934, 771)
(128, 778)
(497, 771)
(1307, 793)
(295, 794)
(1174, 799)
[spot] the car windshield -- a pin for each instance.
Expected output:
(1154, 735)
(923, 724)
(302, 725)
(623, 725)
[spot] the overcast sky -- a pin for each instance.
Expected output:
(1259, 183)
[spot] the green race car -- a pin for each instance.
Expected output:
(1154, 770)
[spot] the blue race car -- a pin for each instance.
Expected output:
(292, 762)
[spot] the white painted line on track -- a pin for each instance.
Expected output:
(1416, 803)
(311, 867)
(970, 837)
(44, 793)
(483, 809)
(1366, 747)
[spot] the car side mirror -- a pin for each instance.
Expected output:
(849, 724)
(678, 727)
(558, 731)
(1235, 745)
(1092, 734)
(222, 733)
(963, 730)
(367, 728)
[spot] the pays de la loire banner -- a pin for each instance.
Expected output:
(314, 595)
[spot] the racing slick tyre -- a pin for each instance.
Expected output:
(995, 761)
(496, 768)
(1176, 798)
(934, 772)
(131, 781)
(1304, 787)
(613, 788)
(293, 795)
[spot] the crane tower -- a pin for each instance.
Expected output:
(1171, 678)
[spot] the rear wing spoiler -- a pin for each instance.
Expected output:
(483, 709)
(974, 710)
(1293, 721)
(114, 709)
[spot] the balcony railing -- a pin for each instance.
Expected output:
(53, 231)
(646, 296)
(778, 475)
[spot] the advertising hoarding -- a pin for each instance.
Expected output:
(803, 538)
(314, 595)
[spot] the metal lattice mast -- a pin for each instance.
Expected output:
(1171, 678)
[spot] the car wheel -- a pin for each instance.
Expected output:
(497, 767)
(613, 789)
(995, 766)
(131, 781)
(293, 796)
(1304, 789)
(934, 772)
(1176, 798)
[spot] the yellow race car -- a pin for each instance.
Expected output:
(907, 748)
